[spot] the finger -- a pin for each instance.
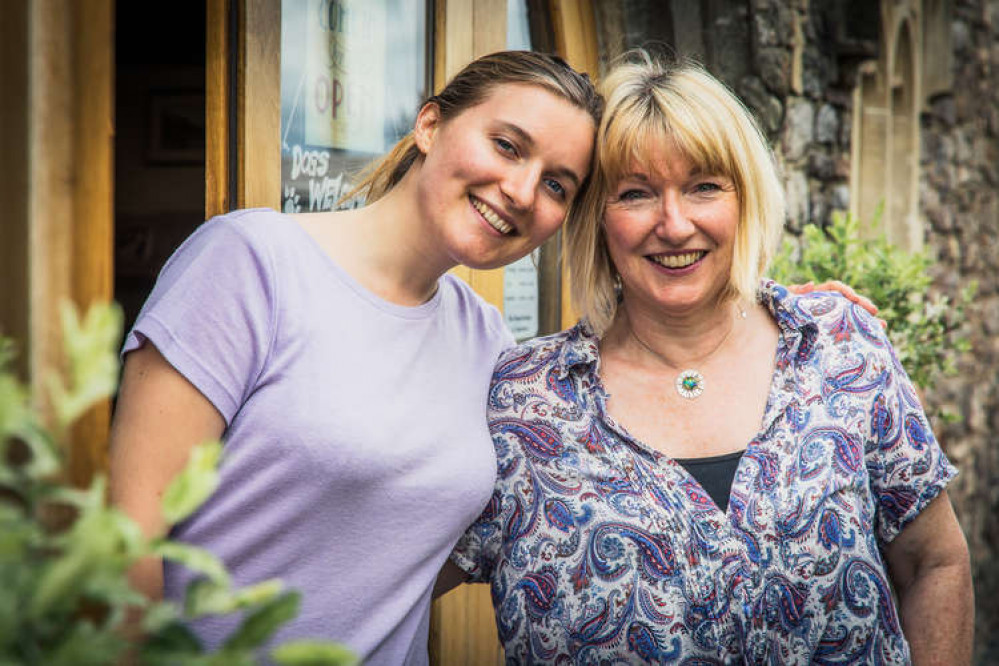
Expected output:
(840, 287)
(883, 323)
(867, 304)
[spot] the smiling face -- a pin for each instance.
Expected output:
(497, 179)
(670, 232)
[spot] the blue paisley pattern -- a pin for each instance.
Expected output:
(600, 550)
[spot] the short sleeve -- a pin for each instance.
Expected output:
(211, 313)
(906, 466)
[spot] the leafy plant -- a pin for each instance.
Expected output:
(64, 552)
(924, 329)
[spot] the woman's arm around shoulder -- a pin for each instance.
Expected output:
(930, 568)
(159, 417)
(840, 288)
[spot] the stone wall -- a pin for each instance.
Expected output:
(804, 60)
(959, 197)
(802, 98)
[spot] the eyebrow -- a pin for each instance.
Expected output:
(528, 141)
(635, 175)
(695, 172)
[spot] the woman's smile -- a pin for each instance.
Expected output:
(677, 262)
(493, 218)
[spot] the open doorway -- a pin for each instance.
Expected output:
(159, 141)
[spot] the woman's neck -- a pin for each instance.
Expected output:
(676, 341)
(386, 247)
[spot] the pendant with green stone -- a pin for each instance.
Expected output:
(690, 384)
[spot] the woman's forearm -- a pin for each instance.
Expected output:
(938, 615)
(931, 570)
(146, 576)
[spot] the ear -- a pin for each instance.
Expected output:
(428, 121)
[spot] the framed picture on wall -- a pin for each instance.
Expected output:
(176, 133)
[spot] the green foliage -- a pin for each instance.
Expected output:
(64, 552)
(924, 329)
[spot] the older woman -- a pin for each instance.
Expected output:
(706, 470)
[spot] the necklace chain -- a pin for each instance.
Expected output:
(690, 383)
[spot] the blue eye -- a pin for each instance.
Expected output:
(631, 195)
(707, 187)
(505, 146)
(555, 187)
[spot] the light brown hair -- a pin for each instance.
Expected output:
(471, 86)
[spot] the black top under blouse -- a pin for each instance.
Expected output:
(715, 474)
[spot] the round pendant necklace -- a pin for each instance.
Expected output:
(690, 383)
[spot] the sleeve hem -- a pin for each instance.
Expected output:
(927, 495)
(467, 565)
(193, 370)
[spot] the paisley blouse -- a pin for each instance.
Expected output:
(600, 550)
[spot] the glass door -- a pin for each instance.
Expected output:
(353, 74)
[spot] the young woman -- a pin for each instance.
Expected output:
(345, 371)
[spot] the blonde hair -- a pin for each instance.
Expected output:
(651, 105)
(471, 86)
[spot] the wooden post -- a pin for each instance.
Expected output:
(217, 103)
(258, 110)
(92, 247)
(57, 140)
(576, 41)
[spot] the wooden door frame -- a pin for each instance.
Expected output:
(242, 105)
(58, 59)
(574, 24)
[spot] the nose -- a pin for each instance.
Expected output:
(520, 185)
(674, 226)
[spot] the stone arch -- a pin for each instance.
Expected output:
(870, 143)
(885, 146)
(938, 56)
(900, 219)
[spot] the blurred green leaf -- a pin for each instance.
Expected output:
(261, 624)
(196, 559)
(91, 350)
(311, 653)
(194, 484)
(173, 643)
(84, 645)
(205, 597)
(65, 554)
(14, 410)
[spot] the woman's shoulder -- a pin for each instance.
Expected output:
(559, 350)
(473, 310)
(258, 227)
(246, 231)
(833, 317)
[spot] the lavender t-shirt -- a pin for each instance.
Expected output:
(356, 449)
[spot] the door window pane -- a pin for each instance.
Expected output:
(353, 74)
